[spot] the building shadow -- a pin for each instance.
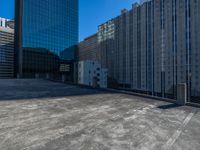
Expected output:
(169, 106)
(13, 90)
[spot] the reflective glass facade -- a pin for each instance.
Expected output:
(50, 24)
(48, 30)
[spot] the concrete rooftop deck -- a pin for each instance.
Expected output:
(43, 115)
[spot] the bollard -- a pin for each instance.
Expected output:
(182, 94)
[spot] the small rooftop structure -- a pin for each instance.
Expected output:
(143, 1)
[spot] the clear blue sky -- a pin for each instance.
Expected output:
(92, 13)
(7, 8)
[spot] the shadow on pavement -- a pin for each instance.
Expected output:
(27, 89)
(169, 106)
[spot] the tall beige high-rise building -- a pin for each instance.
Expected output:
(6, 50)
(153, 47)
(88, 49)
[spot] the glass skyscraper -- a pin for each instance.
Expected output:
(46, 35)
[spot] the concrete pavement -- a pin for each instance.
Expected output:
(44, 115)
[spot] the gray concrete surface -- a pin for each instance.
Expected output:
(44, 115)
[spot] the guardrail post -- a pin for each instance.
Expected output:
(182, 94)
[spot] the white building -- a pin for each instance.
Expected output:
(92, 74)
(3, 22)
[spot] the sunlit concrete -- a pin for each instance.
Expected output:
(44, 115)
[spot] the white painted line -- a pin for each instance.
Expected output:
(176, 135)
